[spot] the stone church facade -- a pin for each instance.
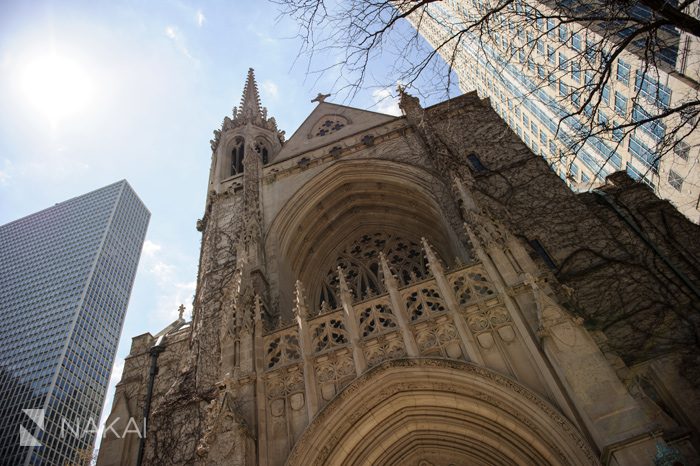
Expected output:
(418, 290)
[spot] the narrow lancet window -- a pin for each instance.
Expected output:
(261, 149)
(237, 154)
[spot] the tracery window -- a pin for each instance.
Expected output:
(237, 154)
(329, 124)
(360, 264)
(262, 150)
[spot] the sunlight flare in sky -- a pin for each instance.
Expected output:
(56, 86)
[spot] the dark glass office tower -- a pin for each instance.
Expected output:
(65, 278)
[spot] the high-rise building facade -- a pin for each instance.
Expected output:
(66, 274)
(537, 67)
(417, 290)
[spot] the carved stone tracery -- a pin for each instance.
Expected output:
(282, 349)
(329, 124)
(424, 303)
(360, 263)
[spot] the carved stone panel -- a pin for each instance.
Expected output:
(375, 318)
(384, 347)
(334, 370)
(328, 333)
(282, 348)
(438, 337)
(424, 302)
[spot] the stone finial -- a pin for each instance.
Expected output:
(549, 312)
(389, 278)
(473, 239)
(408, 104)
(469, 204)
(181, 311)
(345, 292)
(529, 280)
(433, 261)
(301, 310)
(320, 98)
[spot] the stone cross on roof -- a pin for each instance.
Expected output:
(320, 98)
(181, 311)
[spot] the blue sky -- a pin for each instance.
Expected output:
(92, 92)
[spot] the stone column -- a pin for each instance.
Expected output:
(260, 396)
(446, 292)
(301, 312)
(618, 425)
(528, 338)
(351, 325)
(399, 308)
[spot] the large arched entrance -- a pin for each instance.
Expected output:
(427, 412)
(388, 203)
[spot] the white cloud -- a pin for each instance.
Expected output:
(385, 102)
(172, 287)
(262, 35)
(5, 171)
(171, 32)
(150, 248)
(199, 18)
(163, 272)
(174, 34)
(270, 88)
(173, 296)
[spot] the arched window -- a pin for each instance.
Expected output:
(262, 150)
(237, 154)
(360, 264)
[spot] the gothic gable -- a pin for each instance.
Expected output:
(328, 123)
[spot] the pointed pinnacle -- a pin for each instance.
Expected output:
(300, 308)
(250, 101)
(433, 261)
(343, 285)
(389, 278)
(468, 202)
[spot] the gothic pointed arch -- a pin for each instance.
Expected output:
(448, 412)
(237, 155)
(349, 213)
(263, 147)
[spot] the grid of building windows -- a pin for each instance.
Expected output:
(536, 71)
(65, 279)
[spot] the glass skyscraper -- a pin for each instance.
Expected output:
(66, 274)
(535, 66)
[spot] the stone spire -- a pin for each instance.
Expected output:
(250, 111)
(250, 108)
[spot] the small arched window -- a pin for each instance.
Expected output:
(237, 154)
(262, 150)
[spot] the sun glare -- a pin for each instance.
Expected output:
(56, 86)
